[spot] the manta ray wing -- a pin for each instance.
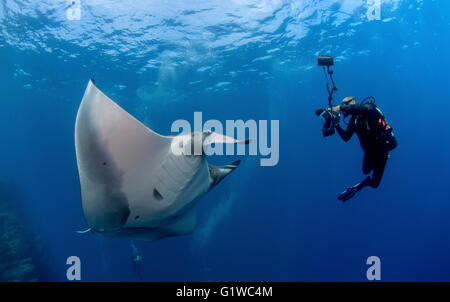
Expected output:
(116, 155)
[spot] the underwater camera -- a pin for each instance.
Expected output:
(329, 118)
(330, 121)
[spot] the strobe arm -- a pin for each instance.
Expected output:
(333, 89)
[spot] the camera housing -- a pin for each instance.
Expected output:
(330, 119)
(325, 61)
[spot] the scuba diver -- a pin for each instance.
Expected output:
(370, 126)
(368, 122)
(137, 260)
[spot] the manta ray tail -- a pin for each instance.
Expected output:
(84, 232)
(219, 172)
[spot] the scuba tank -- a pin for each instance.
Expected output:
(384, 133)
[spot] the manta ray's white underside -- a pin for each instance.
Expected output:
(132, 183)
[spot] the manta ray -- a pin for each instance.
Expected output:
(136, 183)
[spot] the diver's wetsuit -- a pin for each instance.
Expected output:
(363, 123)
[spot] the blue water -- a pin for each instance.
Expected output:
(163, 60)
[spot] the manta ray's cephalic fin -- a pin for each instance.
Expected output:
(219, 172)
(84, 232)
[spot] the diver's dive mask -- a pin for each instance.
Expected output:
(346, 101)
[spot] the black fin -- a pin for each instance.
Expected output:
(347, 194)
(219, 172)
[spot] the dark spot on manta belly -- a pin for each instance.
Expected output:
(137, 217)
(157, 195)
